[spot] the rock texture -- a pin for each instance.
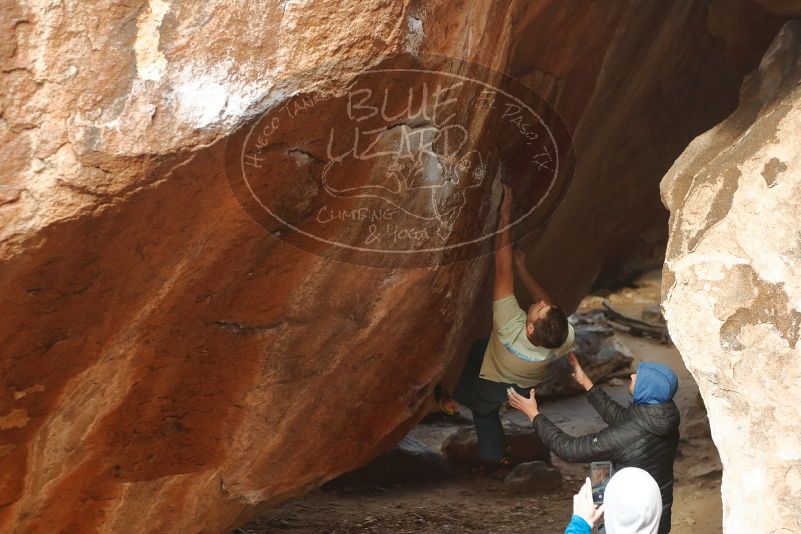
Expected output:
(731, 288)
(653, 91)
(167, 365)
(408, 461)
(533, 477)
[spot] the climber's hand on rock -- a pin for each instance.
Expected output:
(578, 373)
(526, 405)
(583, 505)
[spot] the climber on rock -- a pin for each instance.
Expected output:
(644, 434)
(516, 355)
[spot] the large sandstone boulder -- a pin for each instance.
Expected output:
(170, 366)
(732, 288)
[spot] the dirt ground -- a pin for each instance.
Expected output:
(472, 503)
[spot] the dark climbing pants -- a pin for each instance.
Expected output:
(484, 398)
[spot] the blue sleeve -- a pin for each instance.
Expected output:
(578, 526)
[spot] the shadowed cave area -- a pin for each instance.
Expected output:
(241, 244)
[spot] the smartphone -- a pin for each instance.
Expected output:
(600, 473)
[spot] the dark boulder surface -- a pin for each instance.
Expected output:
(408, 461)
(523, 442)
(533, 477)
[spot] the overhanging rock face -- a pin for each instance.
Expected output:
(170, 366)
(732, 288)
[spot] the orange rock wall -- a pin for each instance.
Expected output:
(170, 366)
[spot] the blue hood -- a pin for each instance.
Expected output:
(656, 384)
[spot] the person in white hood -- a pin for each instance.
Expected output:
(632, 505)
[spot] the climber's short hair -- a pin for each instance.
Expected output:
(550, 331)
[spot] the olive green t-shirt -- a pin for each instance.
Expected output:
(510, 357)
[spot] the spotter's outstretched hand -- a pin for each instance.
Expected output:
(526, 405)
(578, 373)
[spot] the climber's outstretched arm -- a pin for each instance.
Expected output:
(504, 276)
(534, 289)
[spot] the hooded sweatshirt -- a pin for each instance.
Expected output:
(632, 503)
(656, 384)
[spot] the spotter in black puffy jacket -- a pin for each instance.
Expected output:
(644, 434)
